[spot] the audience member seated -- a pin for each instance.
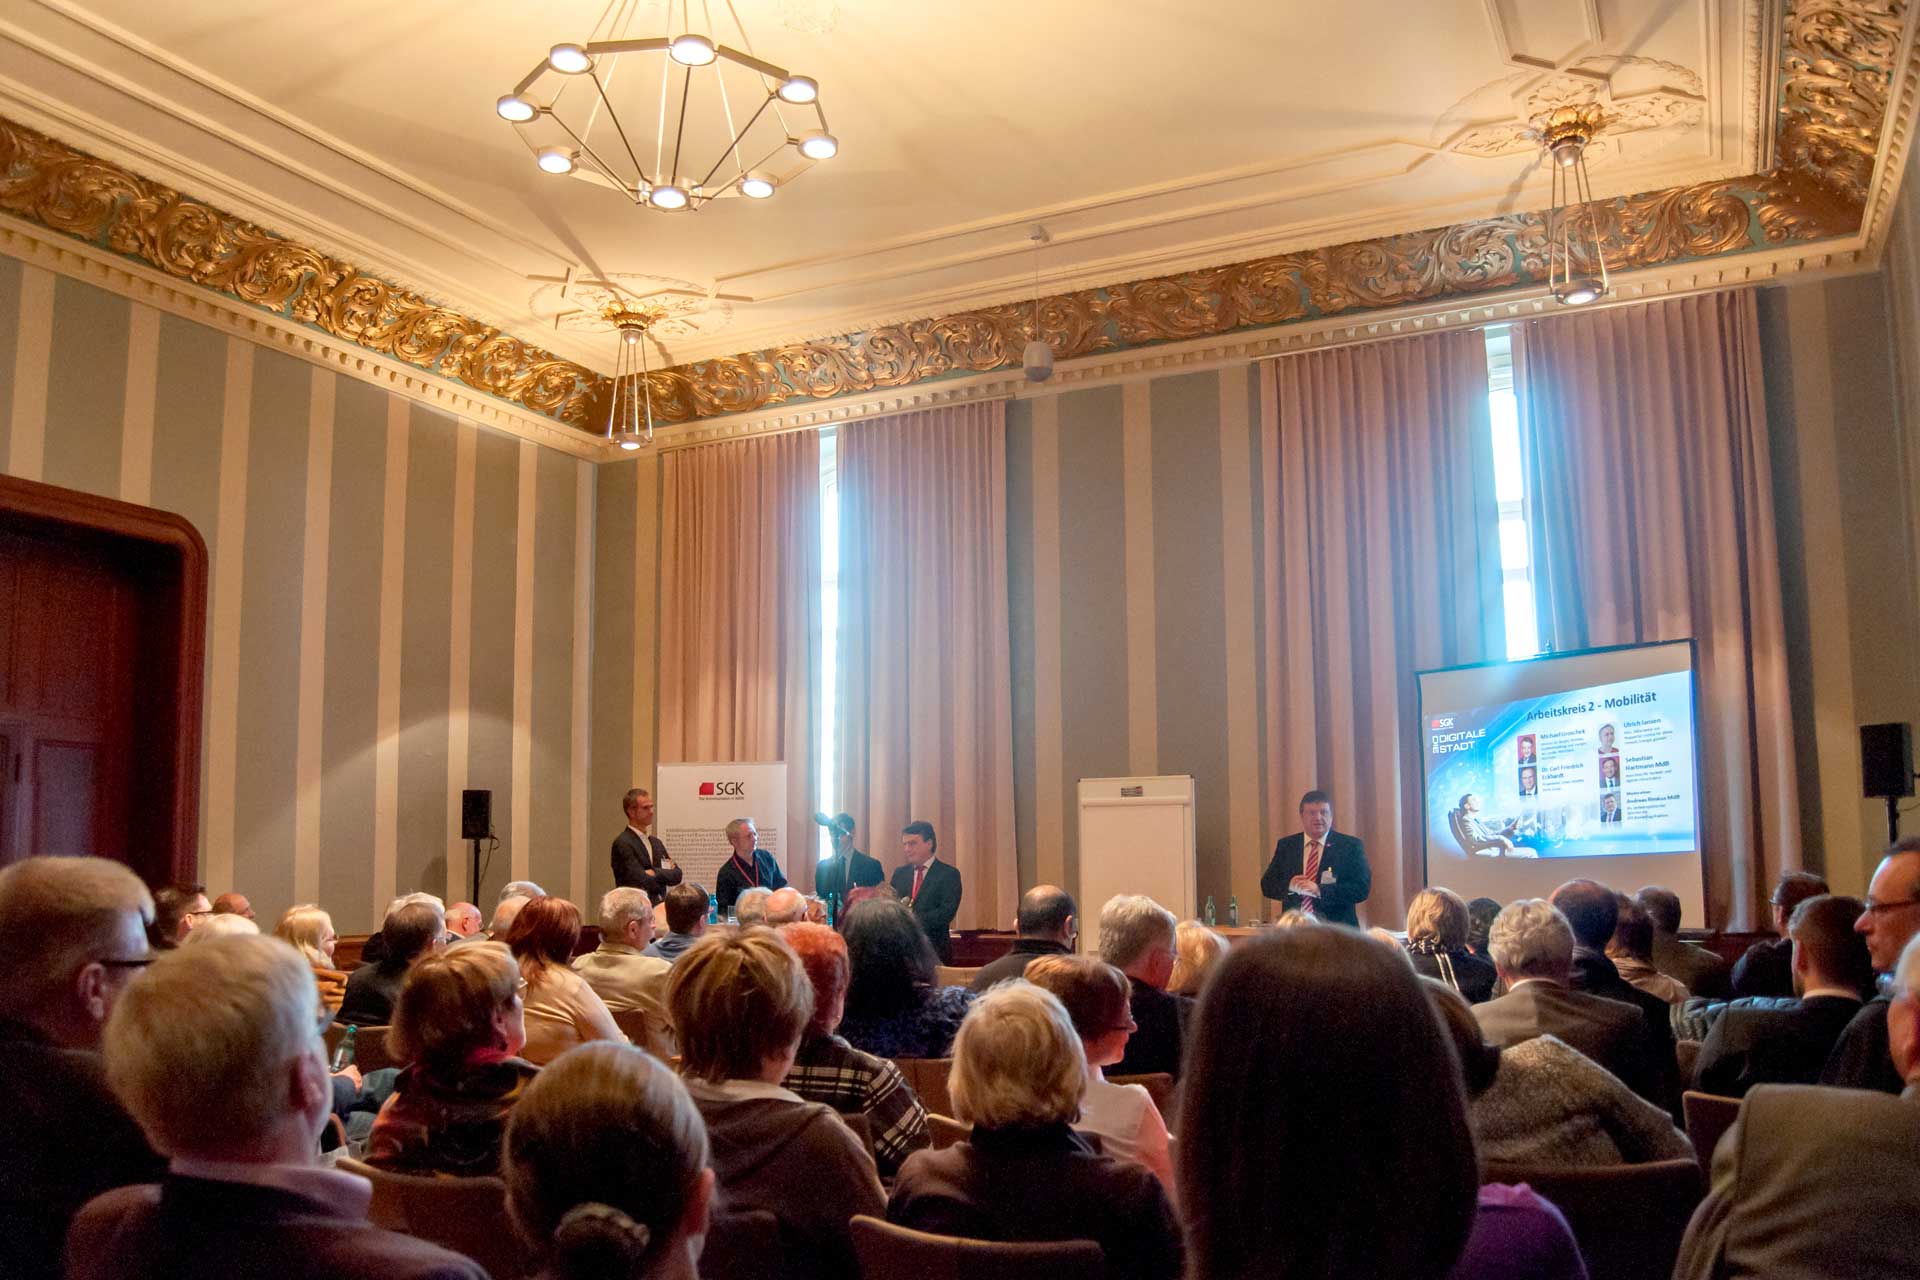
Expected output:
(750, 908)
(504, 914)
(1437, 925)
(1023, 1174)
(463, 922)
(412, 931)
(894, 1008)
(1480, 914)
(1196, 950)
(741, 1003)
(520, 889)
(829, 1070)
(216, 1053)
(219, 925)
(1592, 911)
(1532, 948)
(309, 930)
(606, 1169)
(1819, 1182)
(686, 908)
(1318, 1155)
(459, 1026)
(1137, 938)
(374, 950)
(561, 1010)
(233, 904)
(1697, 969)
(1631, 950)
(1543, 1104)
(1122, 1116)
(1751, 1045)
(73, 935)
(1889, 920)
(1046, 925)
(1766, 969)
(785, 906)
(177, 909)
(622, 974)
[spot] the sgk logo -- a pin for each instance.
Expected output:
(1442, 722)
(722, 790)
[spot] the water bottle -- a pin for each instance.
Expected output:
(1209, 914)
(343, 1055)
(833, 911)
(1233, 912)
(713, 909)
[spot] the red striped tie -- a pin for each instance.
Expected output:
(1312, 872)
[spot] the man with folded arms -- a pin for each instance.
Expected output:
(217, 1054)
(73, 935)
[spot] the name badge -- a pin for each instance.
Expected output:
(1326, 876)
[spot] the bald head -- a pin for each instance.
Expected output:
(504, 915)
(1046, 911)
(786, 906)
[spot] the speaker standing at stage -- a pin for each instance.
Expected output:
(848, 869)
(931, 887)
(640, 860)
(1318, 870)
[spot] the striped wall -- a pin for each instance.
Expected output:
(1134, 544)
(400, 601)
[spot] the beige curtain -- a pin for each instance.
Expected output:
(925, 701)
(1381, 560)
(1647, 440)
(740, 614)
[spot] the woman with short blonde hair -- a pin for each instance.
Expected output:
(1023, 1173)
(1196, 949)
(460, 1026)
(310, 931)
(739, 1003)
(1437, 927)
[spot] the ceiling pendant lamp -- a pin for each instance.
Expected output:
(1576, 264)
(630, 408)
(1037, 360)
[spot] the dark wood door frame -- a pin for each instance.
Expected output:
(173, 560)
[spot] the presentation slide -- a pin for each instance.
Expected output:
(1580, 764)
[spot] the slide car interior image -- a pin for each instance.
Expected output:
(1574, 764)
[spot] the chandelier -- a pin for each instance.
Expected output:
(630, 407)
(671, 121)
(1576, 266)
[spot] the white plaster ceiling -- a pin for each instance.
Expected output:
(1147, 136)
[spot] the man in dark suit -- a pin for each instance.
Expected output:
(1593, 913)
(1814, 1182)
(1750, 1046)
(848, 869)
(1889, 920)
(244, 1178)
(1532, 948)
(931, 887)
(1767, 967)
(73, 935)
(1137, 938)
(1047, 927)
(1318, 870)
(1697, 969)
(640, 859)
(413, 930)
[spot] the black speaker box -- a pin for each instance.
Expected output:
(1886, 760)
(476, 814)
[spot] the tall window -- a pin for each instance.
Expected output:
(824, 798)
(1510, 490)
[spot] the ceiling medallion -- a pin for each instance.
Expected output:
(630, 400)
(721, 122)
(1576, 266)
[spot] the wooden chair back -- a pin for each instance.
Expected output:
(466, 1215)
(1686, 1056)
(648, 1033)
(927, 1077)
(1709, 1116)
(1629, 1219)
(887, 1252)
(743, 1244)
(369, 1047)
(953, 975)
(945, 1131)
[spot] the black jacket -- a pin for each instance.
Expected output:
(1014, 963)
(1596, 975)
(1766, 969)
(641, 862)
(372, 991)
(832, 876)
(731, 881)
(1345, 879)
(1771, 1046)
(937, 904)
(1862, 1059)
(1159, 1041)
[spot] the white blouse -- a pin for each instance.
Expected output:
(1128, 1124)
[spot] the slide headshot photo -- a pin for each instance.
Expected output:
(1606, 740)
(1529, 780)
(1528, 748)
(1610, 808)
(1609, 771)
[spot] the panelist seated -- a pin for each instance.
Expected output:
(750, 867)
(1317, 870)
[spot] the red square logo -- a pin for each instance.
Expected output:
(706, 788)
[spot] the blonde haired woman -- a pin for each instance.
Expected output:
(1024, 1174)
(606, 1169)
(1196, 949)
(310, 931)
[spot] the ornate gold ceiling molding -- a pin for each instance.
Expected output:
(106, 206)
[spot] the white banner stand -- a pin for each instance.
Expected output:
(695, 802)
(1136, 836)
